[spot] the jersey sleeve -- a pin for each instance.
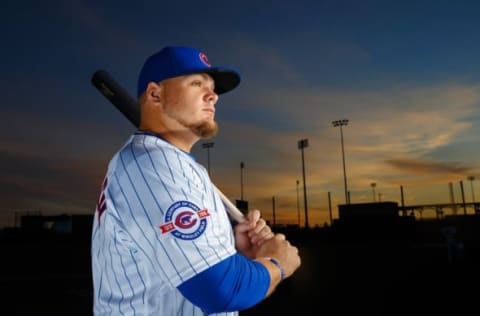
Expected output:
(234, 284)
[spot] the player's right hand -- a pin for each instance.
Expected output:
(280, 248)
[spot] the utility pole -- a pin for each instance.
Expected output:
(241, 180)
(208, 146)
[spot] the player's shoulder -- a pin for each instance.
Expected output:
(149, 142)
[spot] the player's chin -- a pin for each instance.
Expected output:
(207, 129)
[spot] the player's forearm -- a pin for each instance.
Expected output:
(280, 258)
(274, 271)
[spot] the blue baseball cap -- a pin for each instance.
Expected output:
(174, 61)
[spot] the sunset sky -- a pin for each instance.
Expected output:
(406, 74)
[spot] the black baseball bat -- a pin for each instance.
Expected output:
(117, 95)
(128, 106)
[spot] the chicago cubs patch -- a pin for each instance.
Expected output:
(185, 220)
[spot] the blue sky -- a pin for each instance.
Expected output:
(405, 73)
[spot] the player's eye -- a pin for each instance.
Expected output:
(197, 83)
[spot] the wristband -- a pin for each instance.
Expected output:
(280, 267)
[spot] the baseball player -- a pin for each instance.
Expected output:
(162, 241)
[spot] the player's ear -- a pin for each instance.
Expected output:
(153, 91)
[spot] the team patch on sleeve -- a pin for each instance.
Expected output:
(185, 220)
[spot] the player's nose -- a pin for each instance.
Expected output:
(211, 96)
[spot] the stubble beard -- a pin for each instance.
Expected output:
(205, 129)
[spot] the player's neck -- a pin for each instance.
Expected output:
(182, 139)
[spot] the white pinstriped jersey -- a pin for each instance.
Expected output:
(158, 222)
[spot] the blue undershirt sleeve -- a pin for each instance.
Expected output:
(234, 284)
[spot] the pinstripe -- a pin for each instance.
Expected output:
(148, 153)
(125, 275)
(173, 179)
(108, 280)
(117, 283)
(146, 240)
(139, 276)
(107, 284)
(186, 195)
(140, 171)
(146, 213)
(156, 171)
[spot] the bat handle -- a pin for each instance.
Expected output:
(234, 212)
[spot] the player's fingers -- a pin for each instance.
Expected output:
(280, 236)
(259, 241)
(264, 233)
(253, 215)
(244, 227)
(260, 229)
(260, 225)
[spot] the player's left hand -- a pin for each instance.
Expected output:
(251, 234)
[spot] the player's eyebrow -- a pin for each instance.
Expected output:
(207, 77)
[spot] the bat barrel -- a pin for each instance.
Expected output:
(119, 97)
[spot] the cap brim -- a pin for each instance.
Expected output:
(225, 79)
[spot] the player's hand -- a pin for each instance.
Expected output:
(285, 253)
(251, 234)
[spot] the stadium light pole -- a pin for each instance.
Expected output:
(298, 204)
(471, 178)
(208, 146)
(303, 143)
(343, 122)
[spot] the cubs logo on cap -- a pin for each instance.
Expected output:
(204, 58)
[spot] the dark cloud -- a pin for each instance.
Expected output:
(418, 166)
(34, 182)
